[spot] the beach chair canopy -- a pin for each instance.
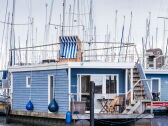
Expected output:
(68, 46)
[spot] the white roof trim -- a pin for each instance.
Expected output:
(156, 71)
(121, 65)
(44, 66)
(61, 65)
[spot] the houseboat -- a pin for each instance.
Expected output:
(155, 69)
(121, 86)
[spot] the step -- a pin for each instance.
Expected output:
(139, 94)
(128, 107)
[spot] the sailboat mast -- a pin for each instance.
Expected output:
(78, 16)
(130, 30)
(90, 28)
(12, 44)
(63, 22)
(164, 32)
(116, 13)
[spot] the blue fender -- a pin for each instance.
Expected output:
(29, 106)
(53, 106)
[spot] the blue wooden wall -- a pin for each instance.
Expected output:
(39, 90)
(76, 71)
(164, 84)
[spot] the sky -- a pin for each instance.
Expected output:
(103, 16)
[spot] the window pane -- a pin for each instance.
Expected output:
(98, 80)
(155, 85)
(28, 81)
(85, 79)
(111, 84)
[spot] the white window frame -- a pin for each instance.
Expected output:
(49, 87)
(103, 86)
(158, 85)
(28, 81)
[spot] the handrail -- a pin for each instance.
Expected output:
(138, 83)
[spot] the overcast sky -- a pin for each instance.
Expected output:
(103, 15)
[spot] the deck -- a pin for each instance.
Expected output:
(82, 116)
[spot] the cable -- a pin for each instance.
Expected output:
(3, 22)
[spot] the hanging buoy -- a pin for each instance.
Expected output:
(4, 74)
(68, 117)
(53, 106)
(29, 106)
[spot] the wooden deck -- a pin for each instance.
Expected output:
(114, 116)
(82, 116)
(38, 114)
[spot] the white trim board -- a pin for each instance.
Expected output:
(61, 65)
(155, 71)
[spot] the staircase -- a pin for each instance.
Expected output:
(144, 83)
(140, 92)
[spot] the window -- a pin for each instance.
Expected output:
(155, 89)
(50, 88)
(106, 85)
(28, 81)
(98, 80)
(111, 84)
(85, 79)
(155, 85)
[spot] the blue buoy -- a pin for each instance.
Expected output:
(68, 117)
(29, 106)
(53, 106)
(4, 74)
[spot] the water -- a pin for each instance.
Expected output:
(157, 121)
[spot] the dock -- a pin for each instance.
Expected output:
(82, 116)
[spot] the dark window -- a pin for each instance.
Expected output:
(111, 84)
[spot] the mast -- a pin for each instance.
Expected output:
(78, 17)
(69, 19)
(6, 39)
(63, 21)
(2, 41)
(130, 30)
(12, 45)
(90, 28)
(116, 13)
(164, 33)
(129, 36)
(156, 36)
(73, 15)
(122, 39)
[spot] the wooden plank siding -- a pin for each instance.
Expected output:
(163, 84)
(39, 90)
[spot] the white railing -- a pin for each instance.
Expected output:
(99, 52)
